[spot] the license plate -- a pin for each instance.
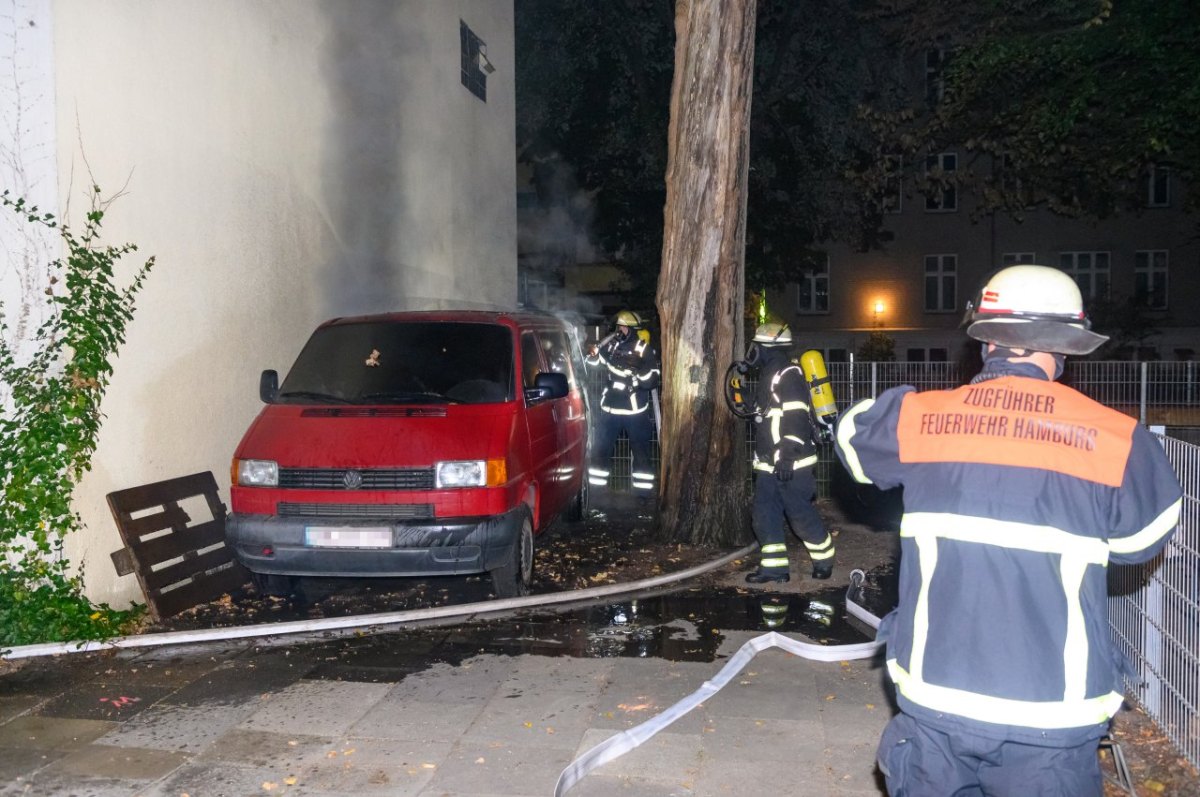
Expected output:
(338, 537)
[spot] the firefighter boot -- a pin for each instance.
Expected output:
(822, 570)
(761, 576)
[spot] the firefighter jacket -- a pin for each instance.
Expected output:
(633, 370)
(1018, 492)
(785, 427)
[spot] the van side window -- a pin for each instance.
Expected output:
(558, 354)
(531, 359)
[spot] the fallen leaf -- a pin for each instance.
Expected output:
(1154, 785)
(480, 760)
(290, 780)
(831, 697)
(269, 786)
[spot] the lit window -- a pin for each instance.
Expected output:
(943, 192)
(813, 294)
(941, 283)
(1150, 278)
(1090, 270)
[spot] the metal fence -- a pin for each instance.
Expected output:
(1154, 610)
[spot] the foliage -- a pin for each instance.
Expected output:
(879, 347)
(1061, 103)
(604, 119)
(48, 432)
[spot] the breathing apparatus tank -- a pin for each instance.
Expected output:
(824, 406)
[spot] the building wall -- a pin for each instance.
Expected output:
(893, 276)
(285, 162)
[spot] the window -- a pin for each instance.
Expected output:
(936, 59)
(475, 66)
(943, 193)
(1150, 278)
(941, 283)
(1006, 173)
(1089, 270)
(813, 293)
(531, 362)
(836, 356)
(558, 354)
(892, 200)
(1016, 258)
(1158, 187)
(934, 354)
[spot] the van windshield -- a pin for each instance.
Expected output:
(389, 362)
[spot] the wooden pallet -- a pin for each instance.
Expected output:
(179, 565)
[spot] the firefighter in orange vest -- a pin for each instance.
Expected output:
(784, 455)
(1018, 493)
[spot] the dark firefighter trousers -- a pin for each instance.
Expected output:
(640, 428)
(778, 504)
(920, 761)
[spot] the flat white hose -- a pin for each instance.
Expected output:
(626, 740)
(367, 620)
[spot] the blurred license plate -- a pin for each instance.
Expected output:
(337, 537)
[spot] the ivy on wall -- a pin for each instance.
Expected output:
(49, 426)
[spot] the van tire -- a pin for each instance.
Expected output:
(512, 579)
(578, 509)
(272, 584)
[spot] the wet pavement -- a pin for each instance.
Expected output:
(490, 708)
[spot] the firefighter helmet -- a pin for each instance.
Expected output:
(773, 335)
(1032, 307)
(628, 318)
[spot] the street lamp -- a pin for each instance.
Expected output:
(878, 308)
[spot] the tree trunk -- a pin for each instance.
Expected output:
(701, 285)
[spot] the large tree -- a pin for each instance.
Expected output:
(701, 289)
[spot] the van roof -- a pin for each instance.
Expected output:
(518, 318)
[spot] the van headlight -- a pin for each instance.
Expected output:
(471, 473)
(257, 473)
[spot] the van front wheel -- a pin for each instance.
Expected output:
(512, 579)
(272, 585)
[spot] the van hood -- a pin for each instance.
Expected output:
(300, 436)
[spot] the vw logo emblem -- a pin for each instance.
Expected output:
(352, 480)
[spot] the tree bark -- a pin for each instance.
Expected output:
(702, 284)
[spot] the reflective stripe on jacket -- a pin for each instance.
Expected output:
(633, 371)
(785, 431)
(1018, 492)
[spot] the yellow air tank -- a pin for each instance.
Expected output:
(823, 404)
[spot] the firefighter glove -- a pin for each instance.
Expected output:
(784, 470)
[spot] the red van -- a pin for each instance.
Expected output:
(413, 444)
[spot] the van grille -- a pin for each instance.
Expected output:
(375, 412)
(383, 511)
(352, 479)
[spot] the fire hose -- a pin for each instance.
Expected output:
(627, 740)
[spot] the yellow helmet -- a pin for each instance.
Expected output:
(1032, 307)
(628, 318)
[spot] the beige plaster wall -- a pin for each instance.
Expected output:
(286, 161)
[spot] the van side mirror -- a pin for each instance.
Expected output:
(547, 386)
(268, 386)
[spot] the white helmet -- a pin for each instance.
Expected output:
(628, 318)
(773, 335)
(1032, 307)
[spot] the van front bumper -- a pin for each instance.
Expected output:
(280, 546)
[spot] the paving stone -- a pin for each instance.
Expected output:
(607, 785)
(263, 749)
(753, 739)
(542, 719)
(222, 779)
(50, 733)
(399, 718)
(17, 762)
(473, 681)
(58, 784)
(16, 705)
(374, 766)
(185, 729)
(499, 769)
(106, 700)
(113, 763)
(671, 757)
(321, 708)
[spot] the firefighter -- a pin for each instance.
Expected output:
(632, 376)
(784, 456)
(1018, 493)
